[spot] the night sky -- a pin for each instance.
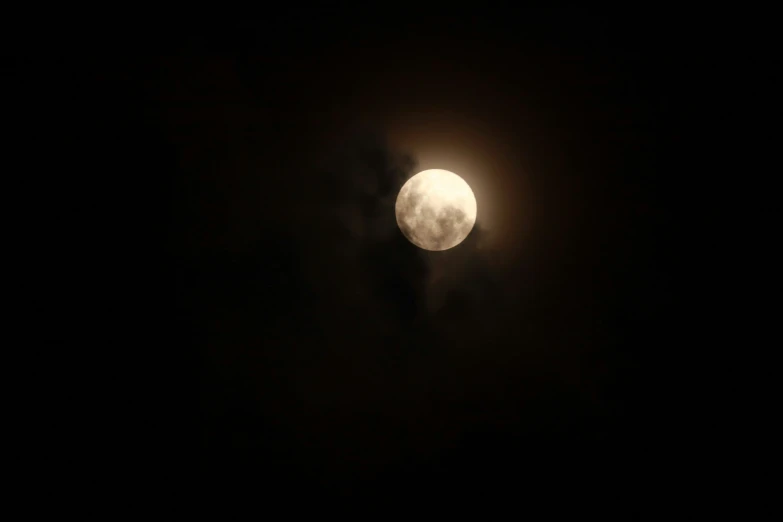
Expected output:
(319, 354)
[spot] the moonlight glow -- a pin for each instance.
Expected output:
(436, 209)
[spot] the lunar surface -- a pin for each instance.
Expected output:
(436, 209)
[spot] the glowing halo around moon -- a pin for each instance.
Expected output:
(436, 209)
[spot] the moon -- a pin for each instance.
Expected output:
(436, 209)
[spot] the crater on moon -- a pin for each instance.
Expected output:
(436, 209)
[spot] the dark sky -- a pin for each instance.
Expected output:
(323, 354)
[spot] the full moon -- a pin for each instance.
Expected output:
(436, 209)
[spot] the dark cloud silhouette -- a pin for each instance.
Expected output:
(346, 317)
